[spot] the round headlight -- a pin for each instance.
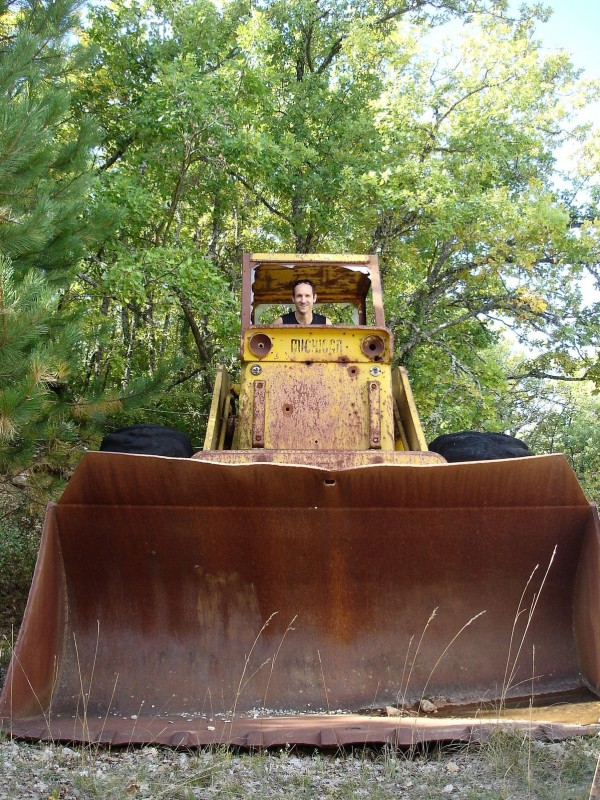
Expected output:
(260, 345)
(372, 347)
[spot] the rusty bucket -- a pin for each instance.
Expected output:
(186, 601)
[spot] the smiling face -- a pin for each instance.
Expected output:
(304, 298)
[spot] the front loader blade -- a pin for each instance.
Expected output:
(210, 596)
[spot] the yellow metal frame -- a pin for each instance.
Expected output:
(214, 438)
(316, 387)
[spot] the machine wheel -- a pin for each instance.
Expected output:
(478, 446)
(148, 439)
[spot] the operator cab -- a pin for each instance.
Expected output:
(350, 281)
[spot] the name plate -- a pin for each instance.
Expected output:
(312, 346)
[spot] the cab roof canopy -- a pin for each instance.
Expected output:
(268, 279)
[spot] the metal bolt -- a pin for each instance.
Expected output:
(256, 369)
(375, 371)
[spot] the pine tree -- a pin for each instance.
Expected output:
(36, 428)
(50, 221)
(46, 174)
(44, 151)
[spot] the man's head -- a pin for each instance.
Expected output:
(304, 295)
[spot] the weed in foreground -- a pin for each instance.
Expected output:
(509, 766)
(545, 771)
(19, 546)
(148, 772)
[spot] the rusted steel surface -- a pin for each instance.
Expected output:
(333, 283)
(321, 731)
(327, 459)
(218, 410)
(407, 410)
(374, 394)
(316, 407)
(316, 389)
(179, 587)
(268, 279)
(258, 413)
(119, 479)
(327, 344)
(587, 603)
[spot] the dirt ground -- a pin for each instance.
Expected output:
(508, 767)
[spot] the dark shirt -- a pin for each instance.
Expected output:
(290, 319)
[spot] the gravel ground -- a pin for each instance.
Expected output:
(509, 767)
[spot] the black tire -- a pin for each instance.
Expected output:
(148, 439)
(478, 446)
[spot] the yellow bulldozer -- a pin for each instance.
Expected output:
(312, 565)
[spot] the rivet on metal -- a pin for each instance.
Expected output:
(256, 369)
(375, 371)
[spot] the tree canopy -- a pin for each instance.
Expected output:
(426, 132)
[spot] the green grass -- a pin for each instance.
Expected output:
(509, 766)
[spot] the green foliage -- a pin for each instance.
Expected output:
(263, 130)
(18, 552)
(43, 231)
(566, 421)
(43, 155)
(550, 416)
(457, 386)
(471, 227)
(19, 543)
(35, 352)
(47, 223)
(294, 126)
